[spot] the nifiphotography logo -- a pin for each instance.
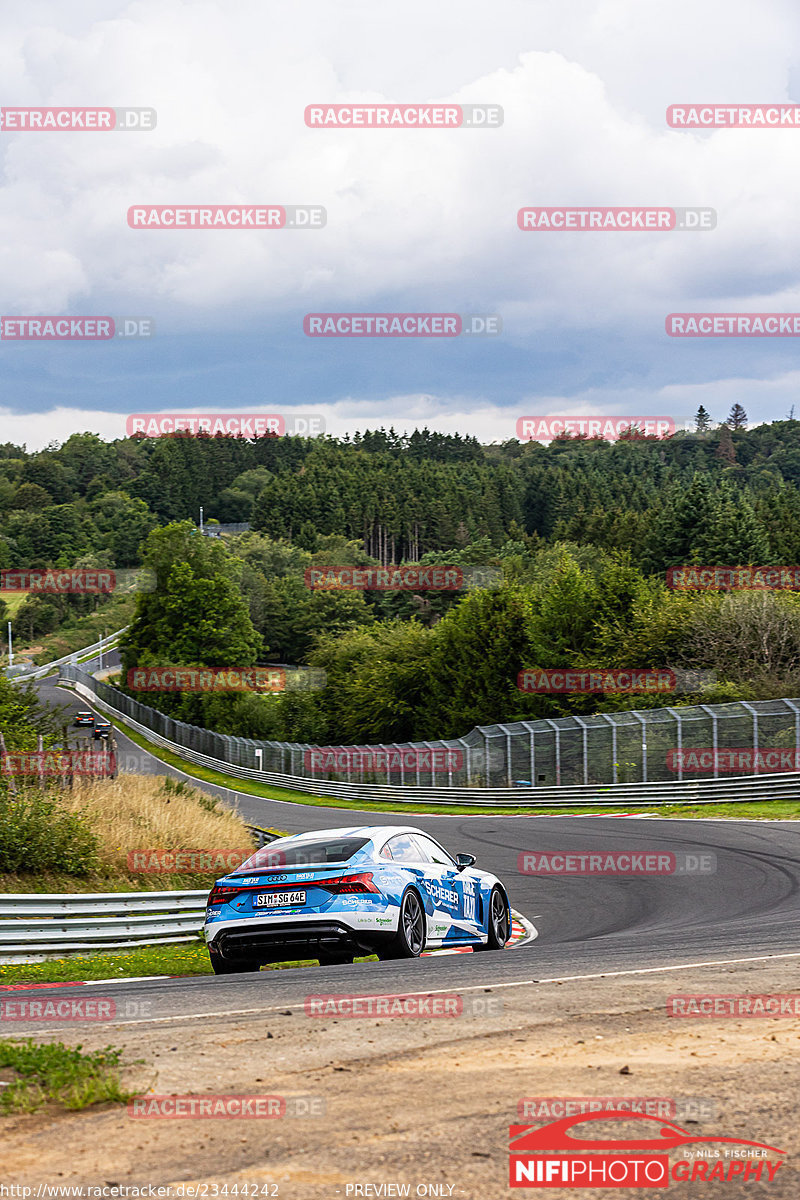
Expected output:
(552, 1156)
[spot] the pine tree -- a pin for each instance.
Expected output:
(702, 421)
(726, 451)
(737, 418)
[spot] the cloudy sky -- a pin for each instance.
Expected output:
(417, 220)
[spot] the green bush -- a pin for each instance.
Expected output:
(36, 836)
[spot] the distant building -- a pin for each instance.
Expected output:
(218, 530)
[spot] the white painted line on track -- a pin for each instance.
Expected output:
(481, 987)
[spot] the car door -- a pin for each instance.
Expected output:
(450, 896)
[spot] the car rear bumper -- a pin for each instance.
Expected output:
(281, 940)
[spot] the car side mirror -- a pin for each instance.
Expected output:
(464, 860)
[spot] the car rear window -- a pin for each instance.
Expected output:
(303, 854)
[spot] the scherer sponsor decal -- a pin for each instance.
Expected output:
(775, 1005)
(630, 679)
(553, 1156)
(618, 862)
(389, 758)
(695, 578)
(736, 760)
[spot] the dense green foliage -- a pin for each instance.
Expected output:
(581, 533)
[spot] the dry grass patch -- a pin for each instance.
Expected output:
(149, 812)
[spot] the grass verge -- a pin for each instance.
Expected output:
(38, 1073)
(186, 958)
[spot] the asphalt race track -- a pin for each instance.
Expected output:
(748, 908)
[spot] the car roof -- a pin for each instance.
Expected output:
(373, 832)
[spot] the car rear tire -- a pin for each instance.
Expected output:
(224, 966)
(410, 939)
(499, 921)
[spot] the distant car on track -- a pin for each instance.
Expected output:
(84, 717)
(388, 890)
(102, 729)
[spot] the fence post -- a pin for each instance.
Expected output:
(754, 715)
(584, 728)
(643, 724)
(613, 725)
(676, 714)
(463, 743)
(507, 732)
(796, 712)
(714, 735)
(555, 727)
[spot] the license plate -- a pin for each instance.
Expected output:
(279, 899)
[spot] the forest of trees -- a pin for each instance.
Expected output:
(580, 533)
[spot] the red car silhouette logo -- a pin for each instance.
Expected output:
(557, 1136)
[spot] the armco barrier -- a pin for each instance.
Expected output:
(639, 795)
(32, 672)
(67, 923)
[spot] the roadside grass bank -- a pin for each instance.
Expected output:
(785, 810)
(79, 632)
(50, 1072)
(186, 958)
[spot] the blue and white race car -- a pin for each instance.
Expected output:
(332, 895)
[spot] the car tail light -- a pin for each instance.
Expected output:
(350, 883)
(221, 893)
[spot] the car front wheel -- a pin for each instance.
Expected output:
(499, 922)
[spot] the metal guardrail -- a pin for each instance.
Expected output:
(34, 672)
(74, 923)
(740, 789)
(81, 922)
